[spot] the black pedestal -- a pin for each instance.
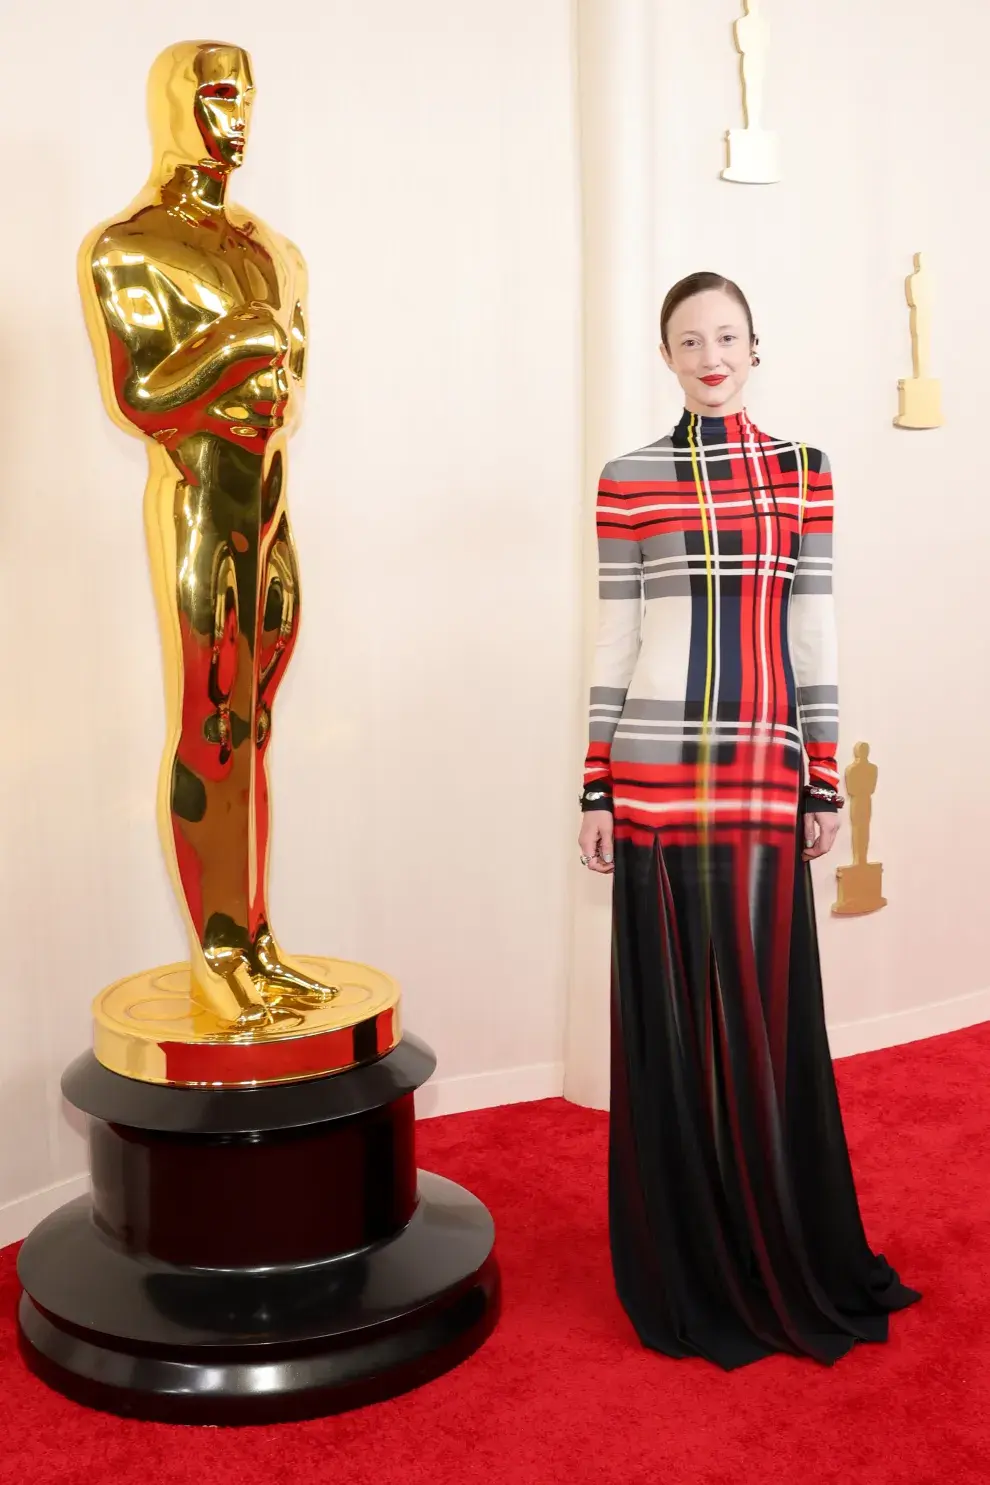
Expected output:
(254, 1255)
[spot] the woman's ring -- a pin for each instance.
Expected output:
(585, 860)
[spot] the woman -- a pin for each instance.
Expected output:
(734, 1221)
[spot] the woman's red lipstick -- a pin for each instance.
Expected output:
(713, 381)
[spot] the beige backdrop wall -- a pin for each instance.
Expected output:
(884, 143)
(424, 156)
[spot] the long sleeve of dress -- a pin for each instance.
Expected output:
(620, 602)
(814, 651)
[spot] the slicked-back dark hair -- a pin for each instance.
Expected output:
(700, 283)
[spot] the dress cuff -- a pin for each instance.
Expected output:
(597, 795)
(821, 799)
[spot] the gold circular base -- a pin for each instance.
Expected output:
(148, 1027)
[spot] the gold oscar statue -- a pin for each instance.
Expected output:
(197, 314)
(860, 883)
(257, 1243)
(919, 396)
(752, 151)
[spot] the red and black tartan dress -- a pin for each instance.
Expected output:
(734, 1221)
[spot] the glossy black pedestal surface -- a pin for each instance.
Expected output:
(255, 1255)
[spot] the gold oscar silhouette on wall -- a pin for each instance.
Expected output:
(752, 151)
(919, 396)
(860, 883)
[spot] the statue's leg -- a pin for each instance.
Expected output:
(278, 622)
(212, 764)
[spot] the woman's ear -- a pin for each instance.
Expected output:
(666, 356)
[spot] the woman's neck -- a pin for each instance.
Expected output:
(731, 409)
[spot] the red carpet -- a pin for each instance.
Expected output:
(562, 1392)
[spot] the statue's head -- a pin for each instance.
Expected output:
(861, 751)
(200, 95)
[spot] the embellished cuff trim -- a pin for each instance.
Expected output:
(822, 799)
(597, 796)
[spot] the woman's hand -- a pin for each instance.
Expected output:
(595, 840)
(820, 831)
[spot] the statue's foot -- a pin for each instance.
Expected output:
(236, 997)
(262, 1017)
(287, 986)
(301, 1001)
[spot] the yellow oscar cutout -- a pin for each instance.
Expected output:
(919, 396)
(752, 151)
(197, 314)
(860, 884)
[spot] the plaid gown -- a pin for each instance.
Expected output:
(734, 1222)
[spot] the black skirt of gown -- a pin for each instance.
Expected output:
(734, 1223)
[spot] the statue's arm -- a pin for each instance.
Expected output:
(173, 356)
(194, 367)
(297, 339)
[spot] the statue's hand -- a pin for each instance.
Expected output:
(249, 337)
(248, 332)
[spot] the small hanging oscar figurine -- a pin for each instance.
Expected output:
(860, 883)
(752, 150)
(919, 396)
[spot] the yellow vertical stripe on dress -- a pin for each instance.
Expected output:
(803, 454)
(714, 1007)
(709, 615)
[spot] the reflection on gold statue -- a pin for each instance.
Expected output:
(197, 313)
(860, 883)
(919, 397)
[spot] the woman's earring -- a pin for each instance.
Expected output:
(754, 358)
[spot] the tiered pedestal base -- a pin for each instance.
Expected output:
(254, 1255)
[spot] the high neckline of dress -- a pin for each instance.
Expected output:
(709, 429)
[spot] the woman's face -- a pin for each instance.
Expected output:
(710, 352)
